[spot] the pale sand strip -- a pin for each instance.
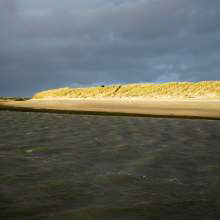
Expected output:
(164, 107)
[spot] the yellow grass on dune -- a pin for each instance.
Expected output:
(173, 89)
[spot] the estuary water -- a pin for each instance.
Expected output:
(67, 167)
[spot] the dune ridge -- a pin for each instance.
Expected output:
(172, 89)
(183, 100)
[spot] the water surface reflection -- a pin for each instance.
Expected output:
(55, 166)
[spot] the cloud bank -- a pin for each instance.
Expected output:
(50, 43)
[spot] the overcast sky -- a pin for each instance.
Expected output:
(53, 43)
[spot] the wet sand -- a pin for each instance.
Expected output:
(207, 108)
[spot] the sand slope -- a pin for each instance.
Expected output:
(147, 90)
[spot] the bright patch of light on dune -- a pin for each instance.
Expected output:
(173, 89)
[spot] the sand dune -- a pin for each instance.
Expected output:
(174, 89)
(185, 99)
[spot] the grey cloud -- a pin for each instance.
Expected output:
(83, 43)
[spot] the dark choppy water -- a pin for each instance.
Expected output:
(55, 166)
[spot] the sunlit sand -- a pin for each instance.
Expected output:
(147, 90)
(170, 107)
(196, 100)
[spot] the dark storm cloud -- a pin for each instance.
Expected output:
(45, 44)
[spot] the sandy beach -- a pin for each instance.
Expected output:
(202, 107)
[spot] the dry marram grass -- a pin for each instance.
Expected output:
(173, 89)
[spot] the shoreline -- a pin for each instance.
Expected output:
(165, 107)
